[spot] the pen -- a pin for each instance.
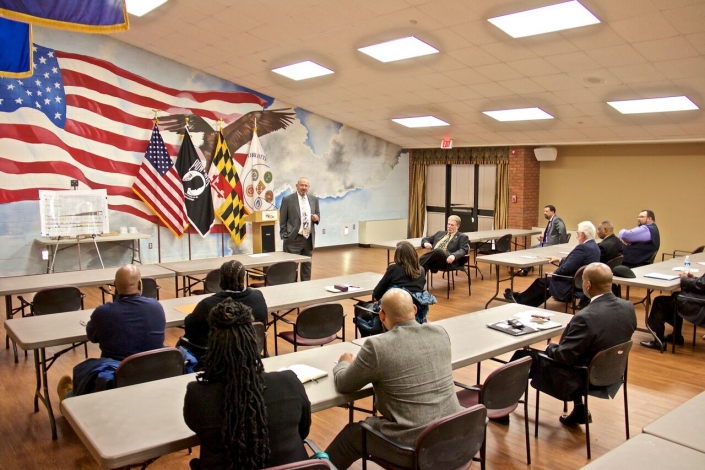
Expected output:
(81, 322)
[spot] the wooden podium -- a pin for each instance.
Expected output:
(263, 229)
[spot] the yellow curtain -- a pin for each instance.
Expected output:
(417, 203)
(501, 196)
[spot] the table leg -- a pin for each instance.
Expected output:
(647, 309)
(40, 366)
(496, 291)
(8, 316)
(176, 281)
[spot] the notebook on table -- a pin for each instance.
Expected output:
(517, 328)
(305, 373)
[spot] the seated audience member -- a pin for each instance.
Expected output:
(610, 246)
(558, 287)
(448, 249)
(554, 234)
(409, 368)
(232, 281)
(642, 242)
(406, 273)
(606, 322)
(664, 306)
(129, 325)
(244, 417)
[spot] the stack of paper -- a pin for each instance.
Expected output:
(305, 373)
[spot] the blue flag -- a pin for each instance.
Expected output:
(15, 49)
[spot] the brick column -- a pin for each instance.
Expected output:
(524, 172)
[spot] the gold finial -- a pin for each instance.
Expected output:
(255, 128)
(155, 119)
(220, 124)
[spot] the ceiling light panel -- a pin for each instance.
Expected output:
(420, 121)
(521, 114)
(542, 20)
(302, 70)
(142, 7)
(399, 49)
(654, 105)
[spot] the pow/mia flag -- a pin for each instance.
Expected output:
(197, 191)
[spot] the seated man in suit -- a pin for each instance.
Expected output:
(606, 322)
(585, 253)
(409, 368)
(129, 325)
(610, 246)
(448, 248)
(642, 242)
(664, 306)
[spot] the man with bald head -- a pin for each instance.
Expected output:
(606, 322)
(610, 246)
(410, 370)
(299, 215)
(132, 323)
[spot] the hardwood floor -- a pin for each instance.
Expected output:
(657, 384)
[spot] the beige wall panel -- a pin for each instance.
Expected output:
(615, 182)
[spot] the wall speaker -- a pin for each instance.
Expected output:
(546, 154)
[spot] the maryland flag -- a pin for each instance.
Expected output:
(227, 191)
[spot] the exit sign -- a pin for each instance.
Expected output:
(447, 143)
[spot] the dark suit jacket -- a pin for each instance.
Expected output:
(610, 248)
(606, 322)
(458, 246)
(691, 300)
(582, 255)
(290, 216)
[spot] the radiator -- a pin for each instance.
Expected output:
(372, 231)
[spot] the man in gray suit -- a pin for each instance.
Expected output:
(409, 368)
(299, 215)
(554, 234)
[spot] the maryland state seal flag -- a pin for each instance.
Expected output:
(227, 191)
(197, 190)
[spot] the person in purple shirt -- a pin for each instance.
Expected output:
(642, 242)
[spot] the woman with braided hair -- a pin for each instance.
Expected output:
(232, 281)
(244, 417)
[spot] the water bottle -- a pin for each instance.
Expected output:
(686, 265)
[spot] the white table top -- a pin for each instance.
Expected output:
(133, 424)
(527, 258)
(121, 237)
(472, 236)
(646, 451)
(195, 266)
(64, 328)
(471, 341)
(684, 425)
(92, 277)
(665, 267)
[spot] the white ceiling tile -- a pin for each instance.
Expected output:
(547, 45)
(595, 37)
(490, 89)
(682, 68)
(461, 92)
(630, 132)
(577, 95)
(644, 28)
(687, 19)
(676, 47)
(560, 81)
(664, 130)
(543, 99)
(437, 80)
(573, 61)
(610, 11)
(522, 85)
(473, 56)
(498, 72)
(533, 67)
(698, 41)
(569, 134)
(466, 76)
(636, 73)
(617, 55)
(508, 50)
(479, 32)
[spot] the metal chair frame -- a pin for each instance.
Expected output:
(310, 324)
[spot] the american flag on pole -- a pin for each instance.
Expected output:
(159, 185)
(227, 191)
(84, 118)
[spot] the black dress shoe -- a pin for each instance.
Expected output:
(577, 416)
(653, 344)
(502, 420)
(509, 295)
(680, 341)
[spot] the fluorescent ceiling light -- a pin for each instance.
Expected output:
(398, 49)
(142, 7)
(653, 105)
(421, 121)
(522, 114)
(302, 70)
(545, 20)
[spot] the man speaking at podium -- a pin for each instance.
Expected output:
(299, 215)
